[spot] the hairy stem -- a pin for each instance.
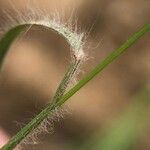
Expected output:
(13, 33)
(49, 109)
(64, 83)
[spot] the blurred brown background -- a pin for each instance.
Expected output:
(37, 61)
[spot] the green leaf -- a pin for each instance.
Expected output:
(8, 38)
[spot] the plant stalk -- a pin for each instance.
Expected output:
(51, 107)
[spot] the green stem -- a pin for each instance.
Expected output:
(65, 81)
(115, 54)
(49, 109)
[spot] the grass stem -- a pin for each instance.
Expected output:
(49, 109)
